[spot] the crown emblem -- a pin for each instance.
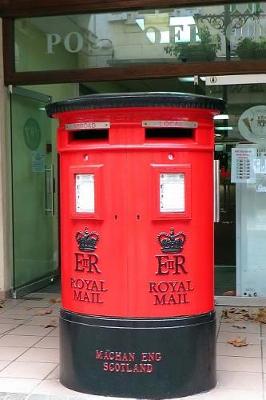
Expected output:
(87, 240)
(171, 242)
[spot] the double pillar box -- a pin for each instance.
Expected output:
(136, 205)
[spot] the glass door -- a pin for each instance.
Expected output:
(33, 183)
(240, 136)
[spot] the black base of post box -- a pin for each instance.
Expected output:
(140, 358)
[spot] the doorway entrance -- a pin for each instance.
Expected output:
(35, 255)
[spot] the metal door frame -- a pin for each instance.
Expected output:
(226, 80)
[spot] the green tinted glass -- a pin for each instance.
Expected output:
(173, 35)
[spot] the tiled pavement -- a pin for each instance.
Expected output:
(29, 355)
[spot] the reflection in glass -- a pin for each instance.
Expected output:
(175, 35)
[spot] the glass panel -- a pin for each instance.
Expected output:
(241, 147)
(172, 193)
(173, 35)
(34, 222)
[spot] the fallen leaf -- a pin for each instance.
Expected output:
(2, 303)
(236, 314)
(238, 342)
(225, 314)
(45, 311)
(260, 316)
(54, 301)
(242, 312)
(51, 325)
(239, 326)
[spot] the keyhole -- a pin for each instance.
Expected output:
(138, 216)
(116, 217)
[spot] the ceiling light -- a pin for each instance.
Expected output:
(224, 128)
(186, 79)
(221, 116)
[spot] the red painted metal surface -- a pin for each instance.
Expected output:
(128, 274)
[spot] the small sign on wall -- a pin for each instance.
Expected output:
(37, 161)
(243, 170)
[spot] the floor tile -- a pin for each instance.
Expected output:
(18, 340)
(54, 374)
(81, 396)
(15, 385)
(32, 370)
(6, 328)
(15, 311)
(3, 364)
(11, 353)
(240, 380)
(51, 342)
(263, 329)
(200, 396)
(40, 355)
(35, 304)
(13, 396)
(264, 379)
(220, 393)
(226, 349)
(31, 330)
(264, 367)
(54, 387)
(43, 320)
(54, 332)
(250, 327)
(10, 303)
(19, 319)
(263, 350)
(36, 296)
(241, 364)
(11, 322)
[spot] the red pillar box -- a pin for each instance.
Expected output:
(136, 200)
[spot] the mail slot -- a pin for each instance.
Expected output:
(136, 201)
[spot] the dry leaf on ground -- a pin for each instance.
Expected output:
(225, 314)
(45, 311)
(236, 314)
(239, 326)
(238, 342)
(51, 324)
(55, 300)
(260, 316)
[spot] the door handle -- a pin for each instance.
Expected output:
(49, 190)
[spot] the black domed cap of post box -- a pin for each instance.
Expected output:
(148, 99)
